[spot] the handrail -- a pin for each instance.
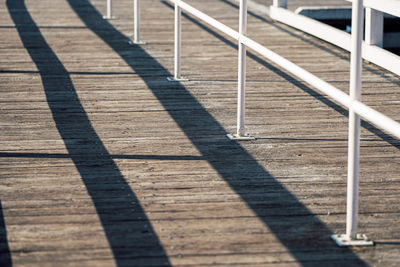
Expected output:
(352, 101)
(369, 114)
(209, 20)
(374, 11)
(306, 76)
(391, 7)
(373, 50)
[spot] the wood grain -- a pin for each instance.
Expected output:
(103, 162)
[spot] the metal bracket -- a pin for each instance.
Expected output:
(173, 79)
(246, 137)
(133, 43)
(109, 18)
(344, 241)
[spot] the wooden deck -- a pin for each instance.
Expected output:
(105, 163)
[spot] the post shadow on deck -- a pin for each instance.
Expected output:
(5, 256)
(129, 233)
(296, 227)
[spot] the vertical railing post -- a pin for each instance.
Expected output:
(240, 130)
(242, 70)
(354, 122)
(351, 238)
(109, 10)
(136, 14)
(280, 3)
(373, 27)
(177, 46)
(136, 24)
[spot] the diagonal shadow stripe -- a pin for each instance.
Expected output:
(291, 221)
(126, 226)
(5, 256)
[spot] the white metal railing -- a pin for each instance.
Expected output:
(372, 47)
(374, 11)
(136, 20)
(356, 108)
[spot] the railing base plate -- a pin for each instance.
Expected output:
(237, 137)
(109, 18)
(361, 241)
(173, 79)
(133, 43)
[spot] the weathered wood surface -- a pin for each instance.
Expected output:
(103, 162)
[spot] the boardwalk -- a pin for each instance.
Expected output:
(105, 163)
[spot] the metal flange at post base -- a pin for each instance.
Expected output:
(109, 18)
(133, 43)
(173, 79)
(236, 137)
(360, 241)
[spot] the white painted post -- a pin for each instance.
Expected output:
(109, 10)
(280, 3)
(178, 32)
(136, 22)
(177, 46)
(136, 14)
(354, 121)
(352, 238)
(240, 128)
(373, 27)
(242, 70)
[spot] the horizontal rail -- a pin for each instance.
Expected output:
(391, 7)
(209, 20)
(371, 50)
(369, 114)
(382, 121)
(310, 78)
(311, 26)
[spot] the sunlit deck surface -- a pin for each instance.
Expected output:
(104, 162)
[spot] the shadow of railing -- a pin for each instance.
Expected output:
(5, 256)
(295, 226)
(130, 235)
